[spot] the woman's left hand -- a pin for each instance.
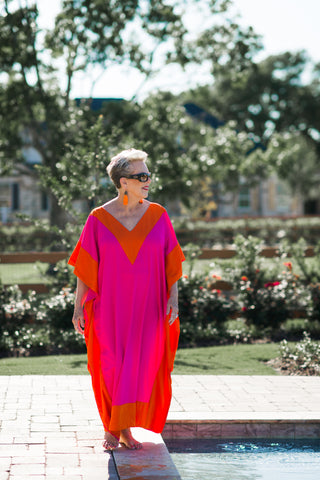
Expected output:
(172, 307)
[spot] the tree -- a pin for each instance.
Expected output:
(142, 35)
(274, 105)
(295, 160)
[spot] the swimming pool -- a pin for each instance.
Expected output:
(246, 459)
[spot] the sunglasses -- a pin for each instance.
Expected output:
(142, 177)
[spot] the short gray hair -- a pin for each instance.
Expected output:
(120, 165)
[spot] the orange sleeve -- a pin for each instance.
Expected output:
(85, 265)
(174, 261)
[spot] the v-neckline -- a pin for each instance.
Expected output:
(120, 223)
(131, 240)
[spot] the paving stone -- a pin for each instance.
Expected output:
(63, 460)
(29, 459)
(27, 469)
(27, 477)
(57, 471)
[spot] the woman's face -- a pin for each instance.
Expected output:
(134, 186)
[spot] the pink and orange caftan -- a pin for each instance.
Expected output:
(130, 344)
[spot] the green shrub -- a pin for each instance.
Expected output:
(57, 310)
(39, 236)
(267, 299)
(310, 271)
(36, 239)
(60, 276)
(25, 341)
(36, 326)
(270, 230)
(203, 310)
(35, 340)
(15, 310)
(314, 309)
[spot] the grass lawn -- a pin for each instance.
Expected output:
(224, 360)
(227, 360)
(11, 273)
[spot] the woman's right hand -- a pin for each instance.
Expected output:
(78, 320)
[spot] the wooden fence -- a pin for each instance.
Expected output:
(51, 258)
(54, 257)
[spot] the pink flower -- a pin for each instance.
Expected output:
(217, 291)
(288, 265)
(217, 277)
(271, 284)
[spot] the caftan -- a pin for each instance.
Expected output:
(130, 344)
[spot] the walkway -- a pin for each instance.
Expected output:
(50, 427)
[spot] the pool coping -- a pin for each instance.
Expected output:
(260, 427)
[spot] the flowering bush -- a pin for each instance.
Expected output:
(309, 275)
(310, 271)
(264, 307)
(303, 358)
(57, 310)
(33, 327)
(267, 298)
(203, 309)
(41, 340)
(26, 340)
(274, 302)
(18, 308)
(15, 312)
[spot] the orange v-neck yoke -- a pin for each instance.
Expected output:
(130, 240)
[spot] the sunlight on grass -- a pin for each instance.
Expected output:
(47, 365)
(224, 360)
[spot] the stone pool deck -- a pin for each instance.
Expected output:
(50, 428)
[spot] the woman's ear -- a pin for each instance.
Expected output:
(123, 182)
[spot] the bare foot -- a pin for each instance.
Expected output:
(110, 442)
(127, 440)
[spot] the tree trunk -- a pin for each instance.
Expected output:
(58, 215)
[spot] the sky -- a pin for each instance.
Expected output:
(285, 25)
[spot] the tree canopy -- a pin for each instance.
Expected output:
(254, 100)
(37, 105)
(268, 96)
(274, 103)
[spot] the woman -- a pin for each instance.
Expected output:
(128, 262)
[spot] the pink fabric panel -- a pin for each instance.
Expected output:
(131, 340)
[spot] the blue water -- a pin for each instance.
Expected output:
(246, 459)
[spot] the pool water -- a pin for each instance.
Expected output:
(246, 459)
